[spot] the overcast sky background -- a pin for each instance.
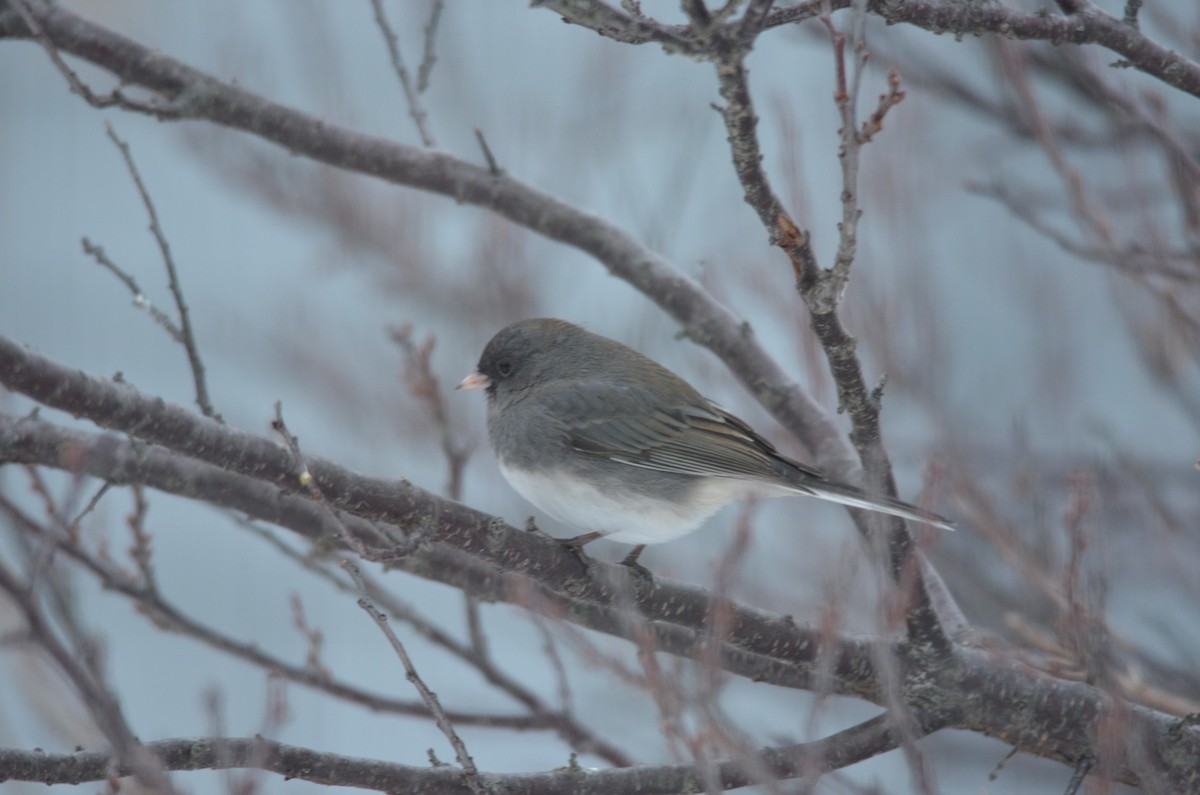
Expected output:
(1030, 343)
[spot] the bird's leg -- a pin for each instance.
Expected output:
(631, 559)
(576, 544)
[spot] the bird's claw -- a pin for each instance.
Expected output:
(576, 544)
(630, 561)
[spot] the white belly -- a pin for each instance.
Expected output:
(624, 517)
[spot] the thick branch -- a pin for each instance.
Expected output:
(762, 646)
(1087, 24)
(832, 753)
(972, 689)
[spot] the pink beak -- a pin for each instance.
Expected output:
(475, 381)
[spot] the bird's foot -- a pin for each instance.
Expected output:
(576, 544)
(630, 561)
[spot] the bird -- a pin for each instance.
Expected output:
(608, 441)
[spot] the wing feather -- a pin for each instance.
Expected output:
(697, 437)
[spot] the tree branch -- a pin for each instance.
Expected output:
(196, 95)
(764, 646)
(971, 689)
(840, 750)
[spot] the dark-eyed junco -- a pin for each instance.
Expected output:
(602, 438)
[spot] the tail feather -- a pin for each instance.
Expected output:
(857, 498)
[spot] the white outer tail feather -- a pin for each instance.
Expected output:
(848, 495)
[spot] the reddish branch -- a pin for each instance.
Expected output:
(821, 290)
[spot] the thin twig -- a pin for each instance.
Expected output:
(571, 731)
(313, 636)
(565, 702)
(1080, 199)
(718, 729)
(141, 551)
(852, 138)
(186, 336)
(845, 97)
(479, 644)
(156, 608)
(309, 484)
(88, 683)
(115, 98)
(87, 509)
(429, 57)
(470, 773)
(423, 384)
(493, 167)
(411, 93)
(139, 296)
(751, 23)
(893, 97)
(1129, 259)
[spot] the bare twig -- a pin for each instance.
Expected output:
(556, 662)
(89, 684)
(1081, 203)
(313, 636)
(821, 290)
(412, 94)
(855, 744)
(752, 21)
(429, 56)
(471, 543)
(845, 97)
(139, 296)
(185, 336)
(141, 551)
(1129, 259)
(305, 479)
(157, 608)
(274, 717)
(115, 98)
(493, 167)
(424, 385)
(852, 138)
(479, 644)
(470, 773)
(570, 730)
(87, 509)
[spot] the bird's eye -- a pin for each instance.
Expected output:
(504, 368)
